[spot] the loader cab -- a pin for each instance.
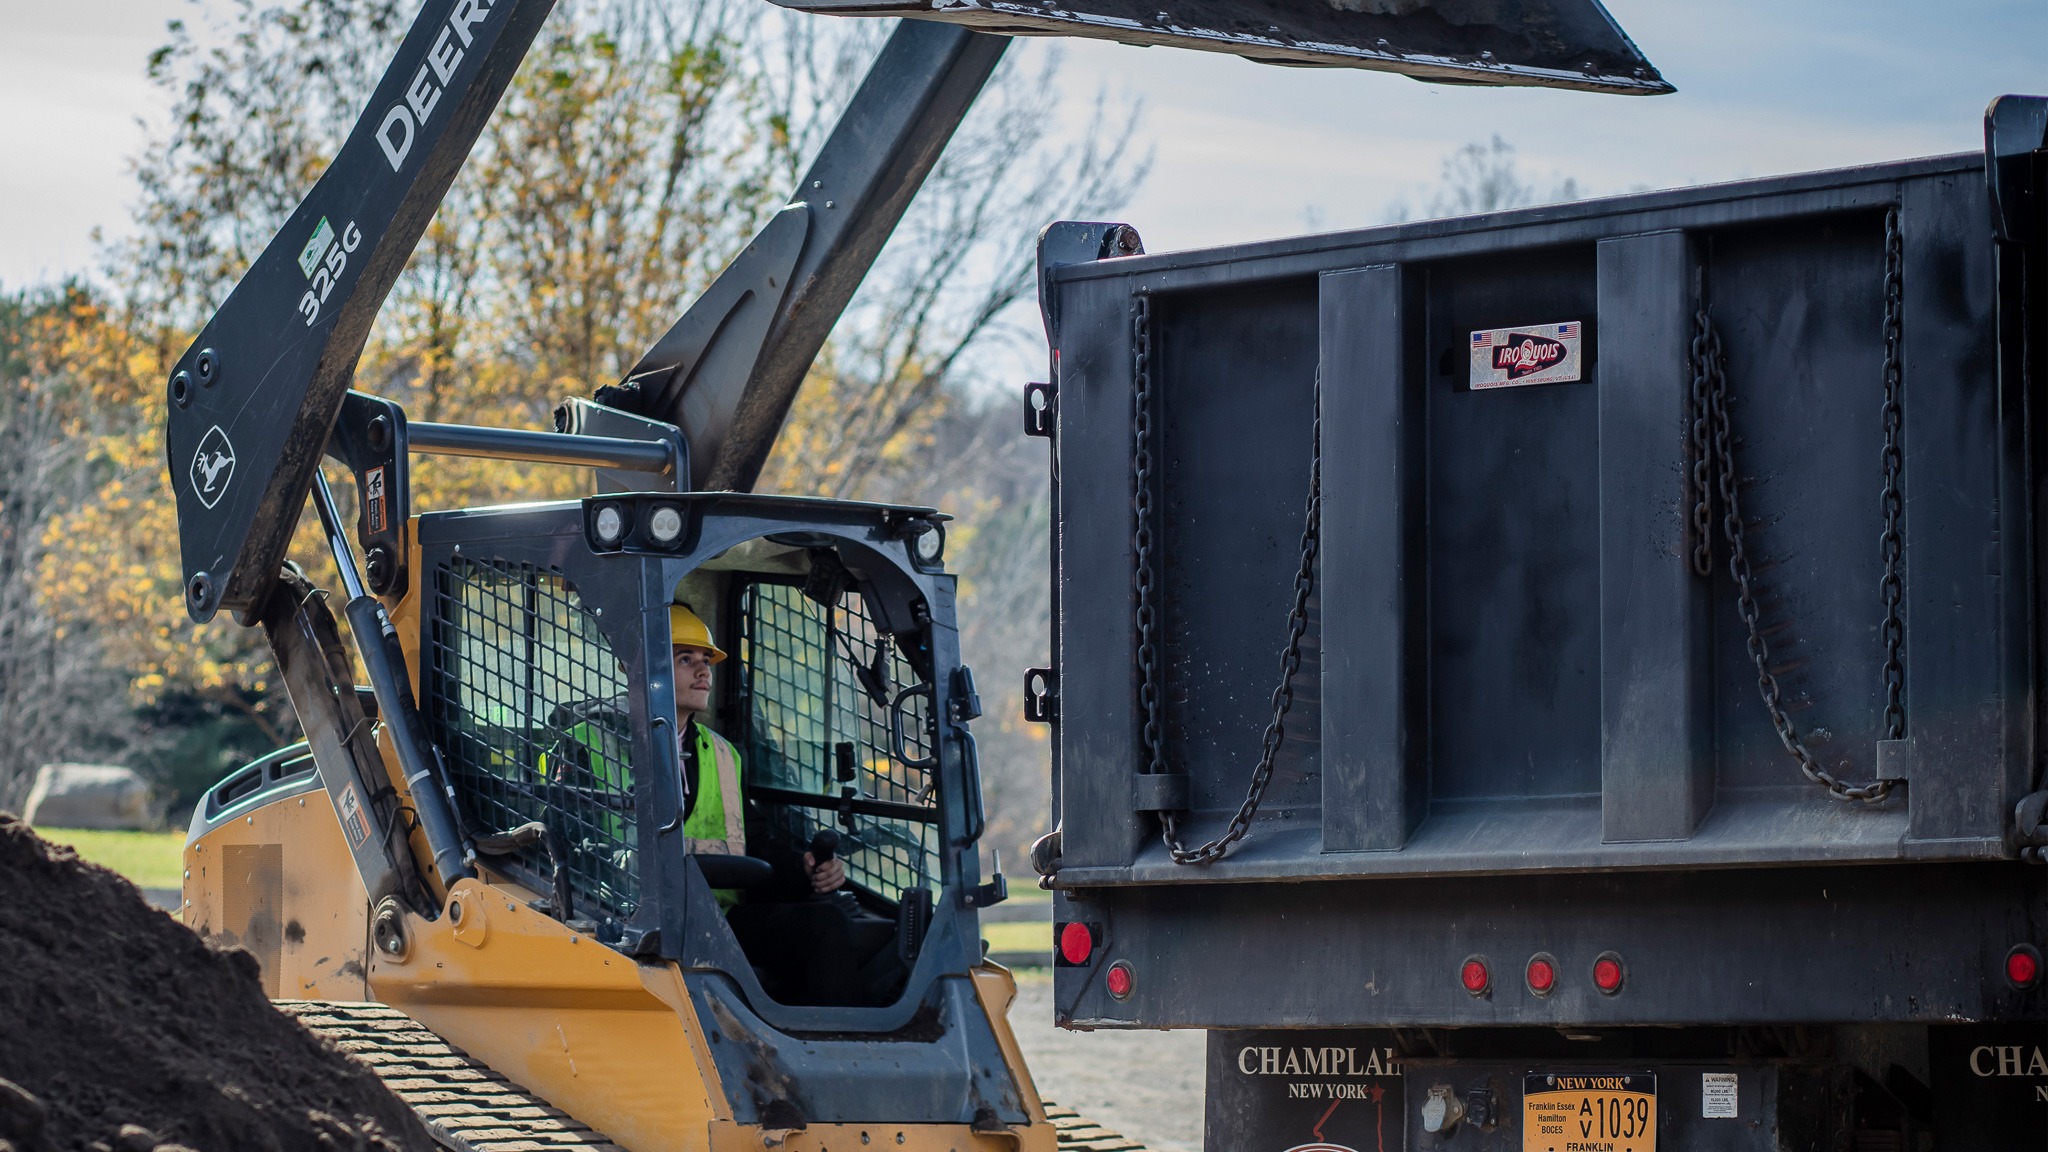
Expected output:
(546, 686)
(545, 858)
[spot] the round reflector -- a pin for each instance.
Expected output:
(1542, 974)
(2023, 966)
(1474, 977)
(1607, 973)
(1119, 980)
(1076, 943)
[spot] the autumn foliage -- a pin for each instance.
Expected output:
(638, 148)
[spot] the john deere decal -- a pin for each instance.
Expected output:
(1537, 354)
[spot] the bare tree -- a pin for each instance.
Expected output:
(999, 482)
(1486, 178)
(258, 104)
(964, 256)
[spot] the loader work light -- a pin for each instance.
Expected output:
(610, 523)
(1546, 43)
(639, 522)
(666, 525)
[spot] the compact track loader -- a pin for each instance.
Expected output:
(560, 965)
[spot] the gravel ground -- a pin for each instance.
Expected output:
(1144, 1084)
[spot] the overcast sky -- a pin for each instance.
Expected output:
(1243, 151)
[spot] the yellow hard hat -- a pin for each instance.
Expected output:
(687, 630)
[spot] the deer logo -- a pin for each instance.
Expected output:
(213, 466)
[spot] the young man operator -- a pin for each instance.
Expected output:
(811, 947)
(713, 803)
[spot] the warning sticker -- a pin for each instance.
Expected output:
(1537, 354)
(1717, 1095)
(373, 499)
(353, 822)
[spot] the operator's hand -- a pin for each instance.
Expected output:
(827, 877)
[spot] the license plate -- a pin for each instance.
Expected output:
(1577, 1112)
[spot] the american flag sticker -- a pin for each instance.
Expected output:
(1533, 354)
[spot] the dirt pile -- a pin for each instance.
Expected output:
(122, 1031)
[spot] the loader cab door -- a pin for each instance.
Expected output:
(836, 732)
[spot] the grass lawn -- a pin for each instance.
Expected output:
(149, 859)
(1018, 937)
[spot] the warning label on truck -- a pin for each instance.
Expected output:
(1537, 354)
(1718, 1095)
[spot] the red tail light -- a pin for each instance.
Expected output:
(1608, 973)
(2023, 966)
(1541, 974)
(1120, 980)
(1474, 976)
(1077, 944)
(1074, 944)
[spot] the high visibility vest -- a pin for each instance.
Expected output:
(717, 825)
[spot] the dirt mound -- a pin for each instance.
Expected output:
(121, 1030)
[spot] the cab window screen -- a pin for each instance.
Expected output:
(528, 705)
(816, 685)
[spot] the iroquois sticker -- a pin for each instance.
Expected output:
(1535, 354)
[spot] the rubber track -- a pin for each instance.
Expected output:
(1080, 1134)
(467, 1107)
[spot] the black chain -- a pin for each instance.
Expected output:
(1705, 370)
(1890, 543)
(1297, 616)
(1141, 534)
(1712, 441)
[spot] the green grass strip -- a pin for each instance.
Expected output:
(149, 859)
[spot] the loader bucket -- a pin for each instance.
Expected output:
(1547, 43)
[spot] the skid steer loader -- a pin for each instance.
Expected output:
(529, 949)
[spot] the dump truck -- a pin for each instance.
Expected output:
(478, 870)
(1567, 679)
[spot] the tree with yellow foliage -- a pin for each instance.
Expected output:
(63, 365)
(639, 147)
